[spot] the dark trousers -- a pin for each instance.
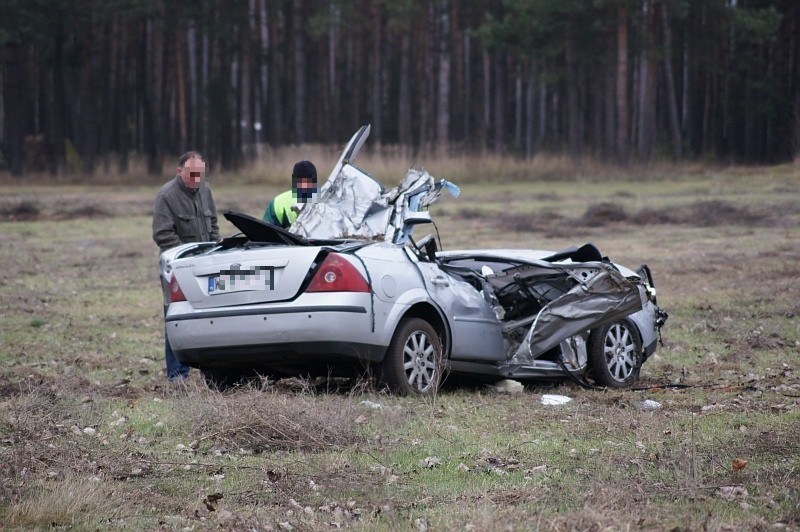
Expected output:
(175, 370)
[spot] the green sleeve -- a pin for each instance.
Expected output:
(270, 215)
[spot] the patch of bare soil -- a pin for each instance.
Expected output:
(703, 214)
(713, 213)
(82, 211)
(603, 214)
(74, 205)
(719, 213)
(528, 222)
(23, 211)
(27, 210)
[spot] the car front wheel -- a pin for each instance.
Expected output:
(615, 355)
(413, 361)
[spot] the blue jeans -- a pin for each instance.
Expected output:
(175, 370)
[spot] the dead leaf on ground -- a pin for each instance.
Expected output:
(738, 464)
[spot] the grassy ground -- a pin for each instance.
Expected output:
(92, 437)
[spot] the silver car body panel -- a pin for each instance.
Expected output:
(476, 331)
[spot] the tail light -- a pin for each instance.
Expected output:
(336, 274)
(175, 292)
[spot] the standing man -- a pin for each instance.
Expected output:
(283, 209)
(184, 212)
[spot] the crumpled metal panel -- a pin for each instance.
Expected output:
(350, 204)
(604, 299)
(353, 205)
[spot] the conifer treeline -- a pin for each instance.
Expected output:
(621, 80)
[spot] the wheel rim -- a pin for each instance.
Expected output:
(419, 362)
(619, 348)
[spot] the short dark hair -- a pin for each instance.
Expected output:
(304, 170)
(189, 155)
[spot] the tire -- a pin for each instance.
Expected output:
(615, 355)
(413, 361)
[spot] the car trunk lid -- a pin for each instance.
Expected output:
(226, 278)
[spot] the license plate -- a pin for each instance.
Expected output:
(240, 280)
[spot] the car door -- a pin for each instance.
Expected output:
(476, 332)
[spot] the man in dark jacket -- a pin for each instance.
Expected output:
(184, 212)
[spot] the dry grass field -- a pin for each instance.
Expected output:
(92, 437)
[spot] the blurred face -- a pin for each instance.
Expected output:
(304, 188)
(192, 172)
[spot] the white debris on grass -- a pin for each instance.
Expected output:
(649, 404)
(551, 399)
(506, 386)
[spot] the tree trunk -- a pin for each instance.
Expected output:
(92, 94)
(275, 117)
(530, 102)
(622, 83)
(468, 119)
(239, 93)
(686, 95)
(609, 119)
(180, 75)
(60, 115)
(573, 99)
(794, 80)
(427, 97)
(404, 95)
(332, 94)
(519, 107)
(500, 73)
(459, 84)
(541, 138)
(299, 41)
(148, 133)
(376, 67)
(120, 112)
(672, 104)
(646, 120)
(487, 99)
(443, 81)
(15, 100)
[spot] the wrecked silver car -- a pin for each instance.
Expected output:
(348, 287)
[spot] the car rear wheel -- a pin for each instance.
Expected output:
(615, 355)
(413, 361)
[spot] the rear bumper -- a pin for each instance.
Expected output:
(273, 336)
(284, 356)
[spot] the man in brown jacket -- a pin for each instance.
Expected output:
(184, 212)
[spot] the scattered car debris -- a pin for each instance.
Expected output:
(649, 405)
(506, 386)
(372, 405)
(551, 399)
